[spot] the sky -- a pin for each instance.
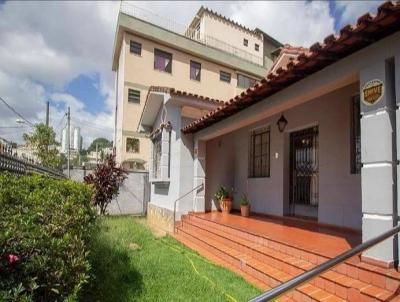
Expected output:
(60, 51)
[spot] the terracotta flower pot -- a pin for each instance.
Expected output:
(226, 205)
(245, 210)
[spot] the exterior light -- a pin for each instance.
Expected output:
(282, 122)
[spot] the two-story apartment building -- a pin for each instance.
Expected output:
(213, 56)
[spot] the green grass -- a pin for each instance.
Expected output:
(161, 269)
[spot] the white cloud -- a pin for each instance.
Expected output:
(45, 45)
(350, 11)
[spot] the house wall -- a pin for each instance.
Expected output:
(137, 72)
(164, 194)
(339, 190)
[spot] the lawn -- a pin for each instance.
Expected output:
(130, 264)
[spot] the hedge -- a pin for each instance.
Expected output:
(45, 227)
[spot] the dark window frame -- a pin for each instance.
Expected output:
(355, 136)
(193, 65)
(165, 55)
(135, 47)
(256, 47)
(225, 76)
(245, 42)
(133, 96)
(264, 148)
(133, 150)
(250, 80)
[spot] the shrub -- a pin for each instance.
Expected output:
(45, 228)
(106, 180)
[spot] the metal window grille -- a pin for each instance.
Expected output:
(355, 136)
(244, 81)
(157, 157)
(136, 48)
(259, 156)
(225, 76)
(133, 96)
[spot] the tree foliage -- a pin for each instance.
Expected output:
(43, 141)
(101, 143)
(106, 180)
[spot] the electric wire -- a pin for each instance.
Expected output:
(15, 111)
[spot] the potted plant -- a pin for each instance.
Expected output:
(245, 206)
(224, 196)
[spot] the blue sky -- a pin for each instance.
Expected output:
(61, 51)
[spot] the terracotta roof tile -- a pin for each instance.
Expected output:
(350, 39)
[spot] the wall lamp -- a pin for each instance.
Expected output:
(282, 122)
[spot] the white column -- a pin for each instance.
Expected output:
(199, 175)
(378, 175)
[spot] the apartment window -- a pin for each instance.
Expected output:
(355, 136)
(259, 160)
(136, 48)
(245, 42)
(132, 145)
(256, 47)
(244, 81)
(162, 61)
(157, 157)
(133, 96)
(195, 71)
(225, 76)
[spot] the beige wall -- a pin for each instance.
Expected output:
(232, 35)
(137, 72)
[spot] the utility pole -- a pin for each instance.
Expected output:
(47, 113)
(69, 139)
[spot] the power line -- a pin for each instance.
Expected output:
(15, 111)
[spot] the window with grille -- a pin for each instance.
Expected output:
(162, 60)
(133, 96)
(355, 136)
(225, 76)
(259, 155)
(245, 42)
(157, 157)
(136, 48)
(244, 81)
(132, 145)
(256, 47)
(195, 71)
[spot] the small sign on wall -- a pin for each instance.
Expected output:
(372, 92)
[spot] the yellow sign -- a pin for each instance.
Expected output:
(372, 92)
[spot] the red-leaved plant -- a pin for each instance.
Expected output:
(106, 180)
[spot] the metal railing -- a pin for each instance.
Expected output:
(19, 166)
(315, 272)
(180, 29)
(200, 186)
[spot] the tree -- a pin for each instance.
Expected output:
(106, 180)
(43, 141)
(101, 143)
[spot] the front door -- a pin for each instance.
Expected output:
(304, 172)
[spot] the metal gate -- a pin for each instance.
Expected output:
(304, 168)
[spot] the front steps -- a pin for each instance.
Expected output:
(267, 263)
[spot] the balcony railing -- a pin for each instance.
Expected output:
(183, 30)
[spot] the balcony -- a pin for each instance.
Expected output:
(180, 29)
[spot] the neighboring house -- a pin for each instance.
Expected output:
(214, 57)
(315, 138)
